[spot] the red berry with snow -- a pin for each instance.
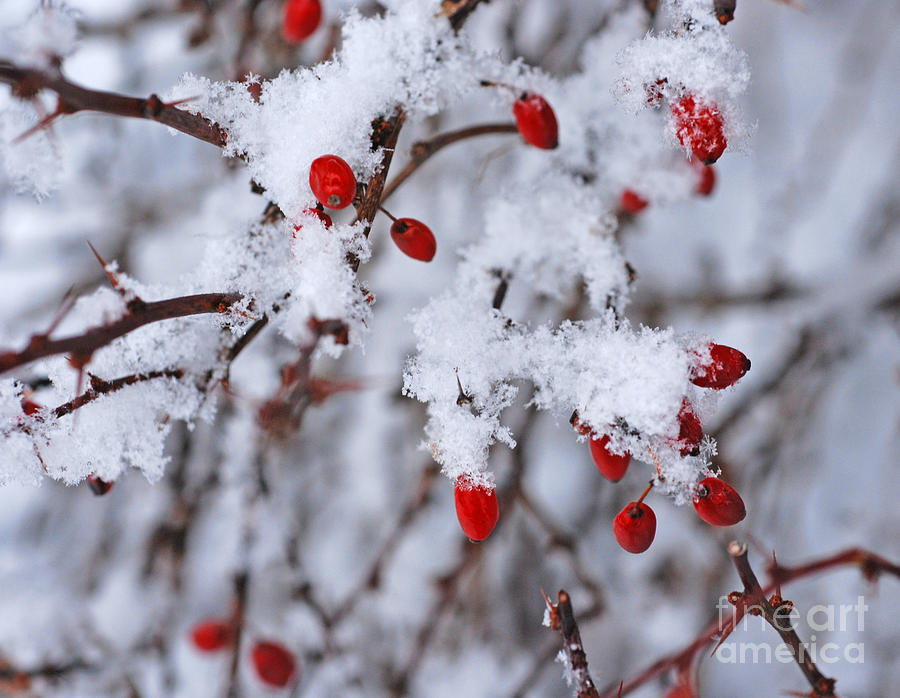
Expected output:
(610, 465)
(98, 486)
(632, 202)
(414, 239)
(718, 503)
(212, 635)
(274, 665)
(706, 180)
(321, 215)
(700, 127)
(726, 366)
(635, 527)
(301, 19)
(690, 430)
(332, 181)
(536, 121)
(476, 508)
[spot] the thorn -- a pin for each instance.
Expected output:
(621, 686)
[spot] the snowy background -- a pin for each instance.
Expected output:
(341, 522)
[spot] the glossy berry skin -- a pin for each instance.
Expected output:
(726, 366)
(476, 508)
(212, 635)
(414, 239)
(301, 19)
(332, 181)
(706, 180)
(632, 202)
(718, 503)
(536, 121)
(635, 527)
(611, 466)
(690, 430)
(99, 487)
(274, 665)
(700, 127)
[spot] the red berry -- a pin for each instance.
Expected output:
(631, 202)
(99, 487)
(414, 239)
(635, 527)
(273, 663)
(690, 432)
(536, 121)
(30, 407)
(301, 19)
(476, 508)
(706, 181)
(332, 181)
(212, 635)
(718, 503)
(700, 127)
(725, 367)
(321, 215)
(611, 466)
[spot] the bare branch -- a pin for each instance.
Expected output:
(562, 619)
(26, 83)
(82, 346)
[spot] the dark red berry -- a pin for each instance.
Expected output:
(30, 407)
(301, 19)
(635, 527)
(706, 180)
(99, 487)
(690, 431)
(611, 466)
(726, 366)
(631, 202)
(536, 121)
(212, 635)
(274, 665)
(700, 127)
(332, 181)
(718, 503)
(476, 508)
(724, 10)
(414, 239)
(321, 215)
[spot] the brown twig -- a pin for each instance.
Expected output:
(753, 599)
(422, 150)
(26, 83)
(101, 387)
(139, 313)
(562, 620)
(870, 564)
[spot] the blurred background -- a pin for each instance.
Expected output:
(340, 539)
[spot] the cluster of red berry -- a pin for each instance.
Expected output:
(715, 501)
(700, 128)
(274, 664)
(333, 184)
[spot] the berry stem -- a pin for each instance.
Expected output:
(645, 493)
(387, 213)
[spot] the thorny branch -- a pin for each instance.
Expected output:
(139, 313)
(562, 620)
(870, 564)
(753, 600)
(26, 83)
